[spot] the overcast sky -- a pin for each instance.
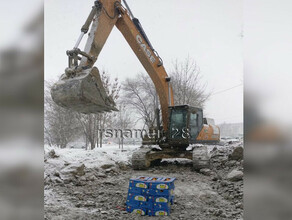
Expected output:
(208, 31)
(15, 16)
(268, 57)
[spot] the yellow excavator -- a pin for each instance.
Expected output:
(80, 88)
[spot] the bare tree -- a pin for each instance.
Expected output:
(187, 84)
(140, 93)
(89, 127)
(112, 88)
(60, 124)
(63, 125)
(94, 124)
(123, 121)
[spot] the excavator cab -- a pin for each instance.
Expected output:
(185, 124)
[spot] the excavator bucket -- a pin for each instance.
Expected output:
(84, 93)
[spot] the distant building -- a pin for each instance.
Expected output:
(231, 130)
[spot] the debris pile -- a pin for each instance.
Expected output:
(227, 166)
(83, 184)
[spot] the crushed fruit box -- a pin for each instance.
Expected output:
(151, 196)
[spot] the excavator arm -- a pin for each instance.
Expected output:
(150, 61)
(75, 89)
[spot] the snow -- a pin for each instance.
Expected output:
(108, 154)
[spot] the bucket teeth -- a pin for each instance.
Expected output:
(83, 93)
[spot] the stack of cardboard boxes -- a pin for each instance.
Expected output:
(151, 196)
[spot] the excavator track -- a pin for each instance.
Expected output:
(139, 159)
(201, 158)
(143, 158)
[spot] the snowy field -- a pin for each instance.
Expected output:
(109, 153)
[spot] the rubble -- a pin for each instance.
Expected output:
(206, 171)
(89, 189)
(237, 153)
(92, 178)
(107, 166)
(235, 175)
(102, 175)
(123, 165)
(52, 154)
(74, 169)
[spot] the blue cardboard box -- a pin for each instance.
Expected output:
(136, 199)
(161, 183)
(161, 192)
(150, 195)
(159, 198)
(139, 182)
(172, 200)
(137, 210)
(159, 211)
(139, 185)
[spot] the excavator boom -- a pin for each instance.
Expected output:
(81, 89)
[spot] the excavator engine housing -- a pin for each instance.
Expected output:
(187, 126)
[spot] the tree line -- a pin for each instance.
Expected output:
(136, 100)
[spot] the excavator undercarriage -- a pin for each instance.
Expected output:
(146, 156)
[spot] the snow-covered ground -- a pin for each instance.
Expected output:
(109, 153)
